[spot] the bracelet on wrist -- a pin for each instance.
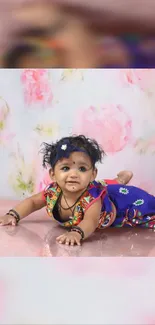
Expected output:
(78, 230)
(14, 214)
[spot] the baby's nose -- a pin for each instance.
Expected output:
(73, 174)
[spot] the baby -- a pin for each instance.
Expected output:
(78, 202)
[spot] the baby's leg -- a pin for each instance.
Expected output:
(124, 177)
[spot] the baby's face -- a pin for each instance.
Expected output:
(74, 174)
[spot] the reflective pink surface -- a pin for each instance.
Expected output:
(36, 236)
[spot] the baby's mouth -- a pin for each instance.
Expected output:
(72, 182)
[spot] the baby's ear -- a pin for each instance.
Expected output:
(94, 174)
(96, 171)
(51, 173)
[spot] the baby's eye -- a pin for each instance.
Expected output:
(65, 168)
(82, 169)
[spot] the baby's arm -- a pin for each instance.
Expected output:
(91, 219)
(23, 209)
(92, 216)
(88, 225)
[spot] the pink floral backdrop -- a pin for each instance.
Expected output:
(117, 107)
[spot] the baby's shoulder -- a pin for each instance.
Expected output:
(97, 189)
(49, 186)
(52, 187)
(102, 182)
(99, 183)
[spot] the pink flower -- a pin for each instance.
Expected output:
(143, 78)
(37, 88)
(110, 126)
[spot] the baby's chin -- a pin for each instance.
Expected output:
(74, 187)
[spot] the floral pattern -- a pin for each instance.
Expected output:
(142, 78)
(72, 74)
(22, 175)
(109, 120)
(38, 105)
(139, 202)
(123, 190)
(5, 134)
(48, 129)
(36, 85)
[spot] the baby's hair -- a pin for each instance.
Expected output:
(90, 146)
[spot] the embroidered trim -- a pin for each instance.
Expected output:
(102, 195)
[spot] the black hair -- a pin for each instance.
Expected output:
(90, 146)
(14, 55)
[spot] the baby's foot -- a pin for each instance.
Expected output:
(124, 177)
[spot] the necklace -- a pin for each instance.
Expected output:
(72, 206)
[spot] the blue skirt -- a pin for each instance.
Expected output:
(134, 206)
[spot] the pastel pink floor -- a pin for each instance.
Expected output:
(36, 234)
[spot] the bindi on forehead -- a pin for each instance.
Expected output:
(70, 162)
(80, 163)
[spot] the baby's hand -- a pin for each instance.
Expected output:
(70, 238)
(8, 220)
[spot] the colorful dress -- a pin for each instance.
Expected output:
(134, 207)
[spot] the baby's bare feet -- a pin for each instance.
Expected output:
(124, 177)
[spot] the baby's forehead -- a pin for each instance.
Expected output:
(76, 158)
